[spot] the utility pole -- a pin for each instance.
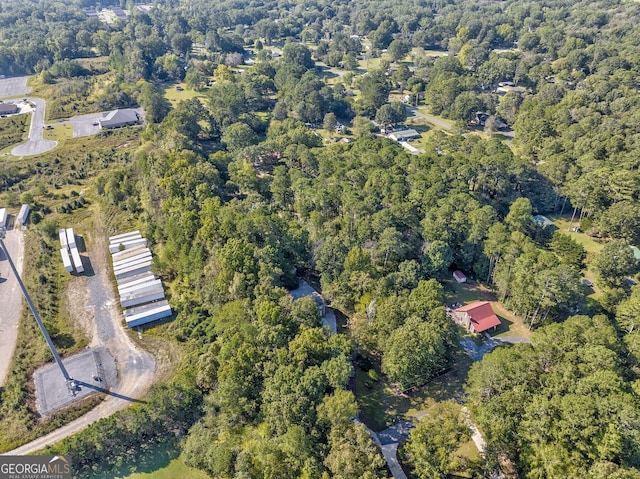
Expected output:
(71, 385)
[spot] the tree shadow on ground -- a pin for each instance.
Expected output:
(149, 459)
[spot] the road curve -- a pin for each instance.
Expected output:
(36, 144)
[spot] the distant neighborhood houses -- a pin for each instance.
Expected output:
(113, 13)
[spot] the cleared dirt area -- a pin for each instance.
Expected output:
(10, 299)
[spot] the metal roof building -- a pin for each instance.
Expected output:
(119, 118)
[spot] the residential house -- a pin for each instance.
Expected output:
(477, 317)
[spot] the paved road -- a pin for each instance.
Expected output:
(412, 111)
(396, 433)
(136, 368)
(13, 87)
(36, 144)
(10, 299)
(390, 453)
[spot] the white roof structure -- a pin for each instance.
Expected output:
(118, 118)
(3, 217)
(66, 260)
(62, 233)
(24, 214)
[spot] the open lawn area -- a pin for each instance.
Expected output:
(161, 462)
(173, 93)
(590, 245)
(381, 406)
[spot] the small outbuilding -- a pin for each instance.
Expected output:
(24, 214)
(459, 276)
(477, 317)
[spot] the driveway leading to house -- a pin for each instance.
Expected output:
(36, 144)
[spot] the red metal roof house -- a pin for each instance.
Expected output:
(477, 317)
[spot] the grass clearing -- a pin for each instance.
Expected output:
(160, 462)
(380, 405)
(177, 92)
(590, 245)
(13, 131)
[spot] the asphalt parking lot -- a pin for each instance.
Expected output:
(14, 86)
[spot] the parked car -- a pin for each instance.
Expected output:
(587, 282)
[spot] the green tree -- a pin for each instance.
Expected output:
(520, 216)
(432, 445)
(614, 263)
(239, 135)
(353, 454)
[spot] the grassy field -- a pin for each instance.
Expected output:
(13, 130)
(590, 245)
(174, 95)
(380, 405)
(161, 462)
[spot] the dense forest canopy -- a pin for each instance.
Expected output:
(241, 195)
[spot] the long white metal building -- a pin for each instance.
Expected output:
(141, 292)
(24, 214)
(77, 261)
(3, 217)
(66, 260)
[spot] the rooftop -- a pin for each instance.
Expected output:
(481, 314)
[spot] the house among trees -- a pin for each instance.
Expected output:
(477, 317)
(118, 118)
(542, 221)
(459, 276)
(404, 135)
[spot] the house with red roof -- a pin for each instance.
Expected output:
(477, 317)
